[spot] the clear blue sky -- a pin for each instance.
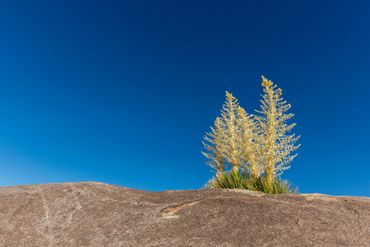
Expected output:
(123, 91)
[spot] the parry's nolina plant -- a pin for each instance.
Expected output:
(257, 147)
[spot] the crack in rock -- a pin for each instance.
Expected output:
(172, 211)
(45, 222)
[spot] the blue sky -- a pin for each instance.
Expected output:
(122, 92)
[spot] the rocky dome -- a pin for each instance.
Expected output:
(97, 214)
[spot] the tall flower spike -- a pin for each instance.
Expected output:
(277, 144)
(214, 146)
(248, 142)
(230, 118)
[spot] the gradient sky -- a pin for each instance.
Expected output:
(122, 92)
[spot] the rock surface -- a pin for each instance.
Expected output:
(96, 214)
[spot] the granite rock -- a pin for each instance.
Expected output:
(97, 214)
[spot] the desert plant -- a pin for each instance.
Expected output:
(277, 145)
(231, 140)
(227, 180)
(214, 145)
(248, 143)
(278, 186)
(242, 180)
(260, 146)
(229, 115)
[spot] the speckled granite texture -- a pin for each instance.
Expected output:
(96, 214)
